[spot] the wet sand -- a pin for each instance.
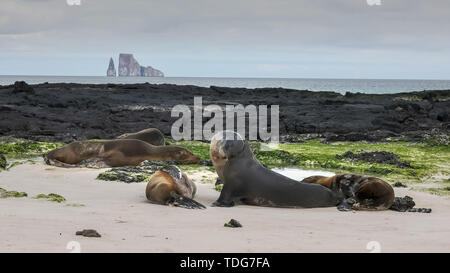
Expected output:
(128, 223)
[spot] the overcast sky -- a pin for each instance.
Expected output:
(407, 39)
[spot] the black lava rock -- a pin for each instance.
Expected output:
(400, 185)
(233, 224)
(88, 233)
(21, 86)
(380, 157)
(402, 204)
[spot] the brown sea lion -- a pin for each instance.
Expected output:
(152, 136)
(246, 180)
(170, 186)
(116, 153)
(361, 192)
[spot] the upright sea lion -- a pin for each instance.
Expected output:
(116, 153)
(360, 192)
(246, 180)
(169, 186)
(152, 136)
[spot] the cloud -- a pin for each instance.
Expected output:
(209, 30)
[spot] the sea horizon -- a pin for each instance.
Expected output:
(341, 85)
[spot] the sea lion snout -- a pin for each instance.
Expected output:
(181, 155)
(188, 157)
(226, 144)
(216, 151)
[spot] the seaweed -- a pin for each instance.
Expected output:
(52, 197)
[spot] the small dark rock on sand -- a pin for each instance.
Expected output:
(88, 233)
(402, 204)
(399, 185)
(406, 203)
(380, 157)
(233, 224)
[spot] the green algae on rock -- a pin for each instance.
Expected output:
(22, 148)
(133, 174)
(233, 224)
(53, 197)
(7, 194)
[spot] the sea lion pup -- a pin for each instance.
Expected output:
(246, 180)
(170, 186)
(360, 192)
(152, 136)
(116, 153)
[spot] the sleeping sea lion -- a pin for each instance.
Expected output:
(246, 180)
(116, 153)
(361, 192)
(170, 186)
(152, 136)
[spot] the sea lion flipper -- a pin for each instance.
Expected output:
(223, 204)
(183, 202)
(226, 197)
(346, 205)
(54, 162)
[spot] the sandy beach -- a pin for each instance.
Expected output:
(128, 223)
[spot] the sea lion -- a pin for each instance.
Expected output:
(116, 153)
(152, 136)
(248, 181)
(170, 186)
(361, 192)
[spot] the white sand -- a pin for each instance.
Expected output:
(128, 223)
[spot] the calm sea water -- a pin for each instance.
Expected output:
(300, 174)
(338, 85)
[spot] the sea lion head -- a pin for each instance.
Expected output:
(182, 155)
(226, 145)
(185, 184)
(173, 171)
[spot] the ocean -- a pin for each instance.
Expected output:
(371, 86)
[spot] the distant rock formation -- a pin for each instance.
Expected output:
(150, 72)
(129, 67)
(111, 69)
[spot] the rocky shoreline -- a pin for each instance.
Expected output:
(66, 111)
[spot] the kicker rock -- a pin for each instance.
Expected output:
(111, 72)
(151, 72)
(128, 66)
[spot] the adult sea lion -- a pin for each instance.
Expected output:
(248, 181)
(361, 192)
(116, 153)
(152, 136)
(170, 186)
